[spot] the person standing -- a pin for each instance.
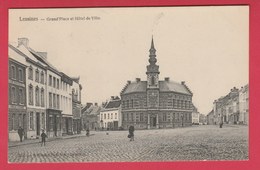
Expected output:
(44, 136)
(21, 133)
(131, 132)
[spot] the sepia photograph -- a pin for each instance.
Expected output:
(128, 84)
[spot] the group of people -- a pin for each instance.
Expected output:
(21, 134)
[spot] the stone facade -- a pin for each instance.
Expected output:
(154, 103)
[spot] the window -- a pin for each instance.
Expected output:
(13, 122)
(43, 121)
(164, 117)
(153, 80)
(141, 117)
(104, 116)
(20, 120)
(20, 75)
(37, 75)
(13, 95)
(54, 82)
(54, 101)
(42, 77)
(42, 98)
(30, 94)
(13, 70)
(58, 83)
(132, 103)
(37, 96)
(108, 116)
(115, 115)
(21, 100)
(111, 115)
(174, 103)
(58, 101)
(50, 100)
(51, 122)
(50, 80)
(132, 116)
(127, 116)
(30, 75)
(101, 116)
(31, 120)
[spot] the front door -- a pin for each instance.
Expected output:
(38, 125)
(153, 121)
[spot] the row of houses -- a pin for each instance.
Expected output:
(40, 96)
(232, 108)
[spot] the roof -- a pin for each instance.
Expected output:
(164, 86)
(113, 104)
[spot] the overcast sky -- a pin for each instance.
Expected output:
(207, 47)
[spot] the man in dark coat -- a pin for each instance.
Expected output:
(44, 136)
(21, 133)
(131, 132)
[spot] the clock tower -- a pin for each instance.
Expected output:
(152, 69)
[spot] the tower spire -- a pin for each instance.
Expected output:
(152, 69)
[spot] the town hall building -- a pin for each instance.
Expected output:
(156, 103)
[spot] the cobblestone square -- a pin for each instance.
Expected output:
(205, 142)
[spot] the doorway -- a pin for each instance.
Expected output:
(55, 125)
(38, 125)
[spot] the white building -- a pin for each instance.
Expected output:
(36, 90)
(243, 105)
(110, 115)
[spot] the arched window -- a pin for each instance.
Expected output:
(37, 96)
(13, 72)
(42, 77)
(30, 74)
(30, 91)
(42, 97)
(13, 95)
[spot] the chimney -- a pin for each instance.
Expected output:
(128, 82)
(23, 41)
(183, 82)
(43, 54)
(137, 80)
(167, 79)
(96, 104)
(112, 97)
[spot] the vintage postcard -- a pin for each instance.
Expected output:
(128, 84)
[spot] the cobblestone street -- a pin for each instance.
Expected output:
(203, 142)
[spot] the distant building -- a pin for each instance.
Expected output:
(154, 103)
(210, 118)
(110, 115)
(195, 116)
(243, 105)
(202, 119)
(90, 117)
(76, 105)
(232, 108)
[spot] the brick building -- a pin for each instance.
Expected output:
(156, 103)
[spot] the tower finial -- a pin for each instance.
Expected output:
(152, 44)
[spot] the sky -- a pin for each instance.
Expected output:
(207, 47)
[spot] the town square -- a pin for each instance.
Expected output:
(177, 92)
(190, 143)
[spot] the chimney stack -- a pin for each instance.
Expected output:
(96, 104)
(128, 82)
(137, 80)
(23, 41)
(167, 79)
(183, 82)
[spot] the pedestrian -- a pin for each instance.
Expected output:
(87, 132)
(131, 133)
(21, 133)
(44, 136)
